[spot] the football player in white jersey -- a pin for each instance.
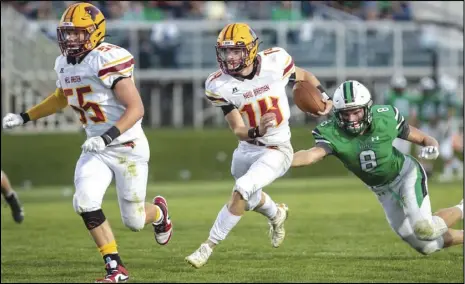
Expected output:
(250, 89)
(96, 80)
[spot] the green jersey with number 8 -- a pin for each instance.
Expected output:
(370, 156)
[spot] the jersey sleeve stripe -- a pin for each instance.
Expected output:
(288, 68)
(322, 141)
(397, 113)
(214, 97)
(214, 76)
(116, 68)
(316, 134)
(288, 60)
(117, 61)
(211, 94)
(125, 72)
(217, 99)
(400, 123)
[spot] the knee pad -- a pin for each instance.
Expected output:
(93, 219)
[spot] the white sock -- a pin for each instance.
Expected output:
(224, 223)
(269, 208)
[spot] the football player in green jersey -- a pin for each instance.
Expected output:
(452, 127)
(398, 97)
(432, 111)
(360, 135)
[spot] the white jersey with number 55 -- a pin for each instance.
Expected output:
(266, 92)
(88, 87)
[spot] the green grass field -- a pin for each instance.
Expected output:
(336, 232)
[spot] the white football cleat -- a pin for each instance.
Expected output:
(277, 231)
(200, 257)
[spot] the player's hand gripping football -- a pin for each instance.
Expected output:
(12, 120)
(328, 107)
(429, 153)
(93, 144)
(267, 121)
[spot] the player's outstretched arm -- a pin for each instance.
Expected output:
(304, 75)
(243, 132)
(308, 157)
(52, 104)
(420, 138)
(430, 150)
(127, 94)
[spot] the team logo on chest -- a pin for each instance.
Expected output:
(365, 145)
(72, 79)
(256, 92)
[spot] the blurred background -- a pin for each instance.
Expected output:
(409, 53)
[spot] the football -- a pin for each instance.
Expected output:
(307, 97)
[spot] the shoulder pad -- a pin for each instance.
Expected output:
(212, 85)
(112, 62)
(279, 57)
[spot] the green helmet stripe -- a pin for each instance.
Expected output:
(348, 92)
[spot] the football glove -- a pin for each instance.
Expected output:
(12, 120)
(429, 153)
(93, 144)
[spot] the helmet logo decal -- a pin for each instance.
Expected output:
(92, 11)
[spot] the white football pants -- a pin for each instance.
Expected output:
(129, 166)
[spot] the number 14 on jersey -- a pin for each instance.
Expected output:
(255, 110)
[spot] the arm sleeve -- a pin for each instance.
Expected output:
(52, 104)
(227, 109)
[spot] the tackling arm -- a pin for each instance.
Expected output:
(308, 157)
(52, 104)
(420, 138)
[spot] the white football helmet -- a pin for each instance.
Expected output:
(427, 84)
(348, 96)
(447, 83)
(398, 82)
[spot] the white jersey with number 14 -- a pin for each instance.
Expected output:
(266, 92)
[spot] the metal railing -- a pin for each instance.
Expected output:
(334, 51)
